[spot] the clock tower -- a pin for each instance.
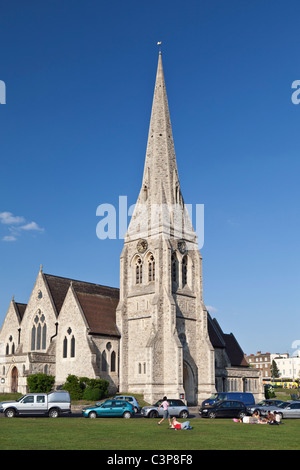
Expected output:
(165, 347)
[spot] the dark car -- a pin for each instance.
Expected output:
(224, 409)
(246, 398)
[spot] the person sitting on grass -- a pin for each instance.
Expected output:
(259, 418)
(177, 425)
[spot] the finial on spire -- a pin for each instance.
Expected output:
(41, 267)
(159, 44)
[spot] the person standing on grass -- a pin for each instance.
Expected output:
(165, 405)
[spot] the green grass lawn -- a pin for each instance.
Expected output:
(143, 434)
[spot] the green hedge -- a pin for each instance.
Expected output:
(40, 383)
(85, 388)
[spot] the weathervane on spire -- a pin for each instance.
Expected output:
(159, 45)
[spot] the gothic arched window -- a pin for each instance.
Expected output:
(113, 362)
(151, 268)
(65, 347)
(138, 271)
(39, 332)
(33, 334)
(184, 270)
(104, 362)
(73, 346)
(174, 267)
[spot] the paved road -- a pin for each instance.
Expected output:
(194, 412)
(76, 413)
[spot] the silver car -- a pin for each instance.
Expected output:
(176, 408)
(287, 410)
(131, 400)
(264, 406)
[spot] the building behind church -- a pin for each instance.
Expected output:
(154, 335)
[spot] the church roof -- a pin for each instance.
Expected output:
(100, 313)
(234, 351)
(21, 309)
(228, 341)
(215, 333)
(97, 302)
(59, 286)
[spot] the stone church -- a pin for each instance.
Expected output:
(154, 335)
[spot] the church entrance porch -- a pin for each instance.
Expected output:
(189, 384)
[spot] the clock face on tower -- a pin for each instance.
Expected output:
(142, 246)
(181, 246)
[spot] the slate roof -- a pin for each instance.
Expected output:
(21, 309)
(228, 341)
(100, 313)
(98, 302)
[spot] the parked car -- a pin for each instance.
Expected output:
(286, 410)
(224, 409)
(264, 406)
(131, 400)
(246, 398)
(176, 408)
(109, 409)
(51, 404)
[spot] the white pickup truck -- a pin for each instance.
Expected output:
(51, 404)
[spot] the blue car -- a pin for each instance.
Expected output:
(109, 409)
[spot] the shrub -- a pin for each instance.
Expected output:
(96, 389)
(92, 394)
(85, 388)
(74, 386)
(40, 383)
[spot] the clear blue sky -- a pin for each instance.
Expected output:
(79, 78)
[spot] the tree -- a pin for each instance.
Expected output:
(40, 383)
(274, 370)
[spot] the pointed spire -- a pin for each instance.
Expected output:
(160, 185)
(160, 163)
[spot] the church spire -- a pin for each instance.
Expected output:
(160, 171)
(160, 208)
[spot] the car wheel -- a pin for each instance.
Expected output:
(127, 415)
(10, 413)
(212, 414)
(92, 414)
(280, 415)
(183, 414)
(53, 413)
(153, 414)
(241, 415)
(258, 412)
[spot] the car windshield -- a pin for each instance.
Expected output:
(157, 403)
(99, 403)
(283, 405)
(214, 396)
(21, 398)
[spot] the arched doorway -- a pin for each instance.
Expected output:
(189, 384)
(14, 380)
